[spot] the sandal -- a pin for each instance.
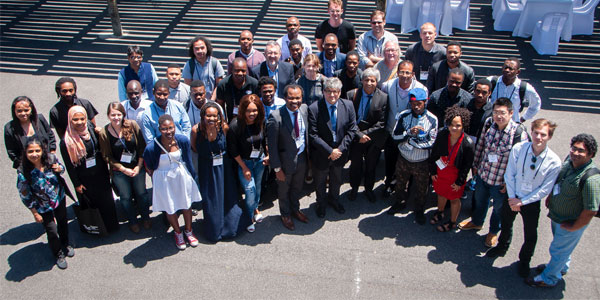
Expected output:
(437, 217)
(447, 226)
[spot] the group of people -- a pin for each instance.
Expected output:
(293, 117)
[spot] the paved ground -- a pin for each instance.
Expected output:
(362, 254)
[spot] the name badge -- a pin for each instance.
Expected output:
(126, 157)
(235, 110)
(298, 142)
(90, 162)
(493, 158)
(556, 189)
(217, 160)
(423, 75)
(255, 153)
(527, 187)
(440, 163)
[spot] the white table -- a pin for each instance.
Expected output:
(535, 10)
(410, 14)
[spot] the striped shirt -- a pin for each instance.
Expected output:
(415, 148)
(570, 202)
(493, 150)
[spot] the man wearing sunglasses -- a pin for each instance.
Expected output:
(370, 45)
(531, 171)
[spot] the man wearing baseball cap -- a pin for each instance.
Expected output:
(415, 131)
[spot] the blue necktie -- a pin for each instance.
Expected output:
(333, 119)
(365, 109)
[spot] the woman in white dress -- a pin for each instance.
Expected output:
(168, 161)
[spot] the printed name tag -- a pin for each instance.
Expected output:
(556, 189)
(423, 75)
(255, 153)
(217, 160)
(126, 157)
(493, 158)
(298, 142)
(90, 162)
(526, 187)
(235, 110)
(441, 164)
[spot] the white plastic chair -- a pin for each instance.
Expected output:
(431, 11)
(393, 11)
(583, 18)
(507, 15)
(546, 33)
(461, 17)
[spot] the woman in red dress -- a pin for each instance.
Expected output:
(449, 163)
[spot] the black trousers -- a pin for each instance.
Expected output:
(530, 214)
(367, 154)
(335, 181)
(55, 224)
(290, 190)
(391, 156)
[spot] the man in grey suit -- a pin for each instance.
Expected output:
(332, 127)
(287, 138)
(370, 106)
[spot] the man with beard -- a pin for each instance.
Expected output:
(331, 60)
(253, 57)
(450, 95)
(235, 86)
(137, 70)
(371, 44)
(388, 67)
(66, 91)
(438, 72)
(350, 75)
(292, 25)
(135, 105)
(281, 72)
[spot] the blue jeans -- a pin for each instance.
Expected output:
(562, 246)
(252, 187)
(129, 186)
(483, 194)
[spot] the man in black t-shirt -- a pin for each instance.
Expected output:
(343, 29)
(232, 88)
(66, 90)
(350, 75)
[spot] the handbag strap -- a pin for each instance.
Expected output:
(167, 152)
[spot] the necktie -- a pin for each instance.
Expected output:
(296, 127)
(333, 119)
(365, 109)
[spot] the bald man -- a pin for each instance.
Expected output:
(252, 57)
(330, 58)
(135, 105)
(292, 25)
(234, 86)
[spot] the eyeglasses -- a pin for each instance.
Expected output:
(376, 22)
(500, 112)
(533, 160)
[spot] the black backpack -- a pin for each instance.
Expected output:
(522, 87)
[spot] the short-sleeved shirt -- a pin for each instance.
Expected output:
(348, 83)
(284, 42)
(571, 201)
(180, 94)
(345, 33)
(205, 73)
(59, 113)
(368, 44)
(136, 113)
(226, 91)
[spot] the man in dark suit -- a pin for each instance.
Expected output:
(370, 105)
(331, 60)
(282, 72)
(332, 127)
(287, 139)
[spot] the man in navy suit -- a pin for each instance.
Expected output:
(287, 138)
(331, 59)
(282, 72)
(332, 127)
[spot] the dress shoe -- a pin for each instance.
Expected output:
(370, 196)
(288, 223)
(539, 269)
(396, 208)
(300, 216)
(321, 211)
(497, 251)
(420, 217)
(387, 191)
(523, 269)
(337, 206)
(468, 225)
(135, 228)
(491, 240)
(147, 224)
(353, 194)
(532, 282)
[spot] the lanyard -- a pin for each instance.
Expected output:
(120, 139)
(455, 145)
(510, 94)
(217, 142)
(93, 144)
(525, 159)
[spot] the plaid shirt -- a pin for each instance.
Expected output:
(495, 142)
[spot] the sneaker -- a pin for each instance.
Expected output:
(491, 240)
(251, 228)
(61, 261)
(70, 251)
(468, 225)
(191, 238)
(258, 218)
(179, 241)
(532, 282)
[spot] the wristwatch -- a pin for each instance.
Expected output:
(277, 169)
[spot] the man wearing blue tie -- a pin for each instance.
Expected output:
(332, 127)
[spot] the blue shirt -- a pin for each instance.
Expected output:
(329, 66)
(274, 75)
(277, 103)
(153, 112)
(301, 138)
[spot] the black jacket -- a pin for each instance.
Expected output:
(464, 156)
(14, 138)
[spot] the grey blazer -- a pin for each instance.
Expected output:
(282, 146)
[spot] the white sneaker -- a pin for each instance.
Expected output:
(191, 238)
(251, 228)
(258, 218)
(179, 241)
